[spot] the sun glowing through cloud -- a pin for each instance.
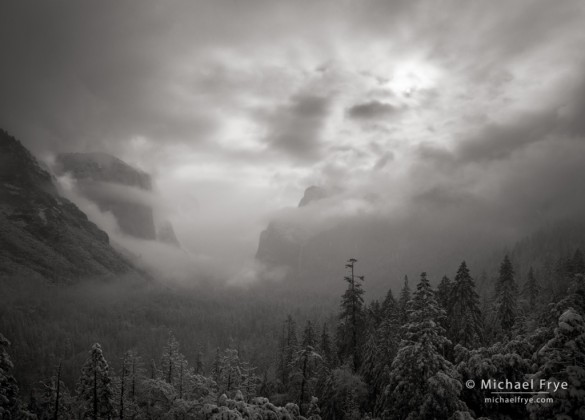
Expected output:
(412, 76)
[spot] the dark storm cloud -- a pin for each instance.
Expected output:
(88, 76)
(497, 141)
(296, 127)
(372, 109)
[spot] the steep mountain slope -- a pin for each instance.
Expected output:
(43, 235)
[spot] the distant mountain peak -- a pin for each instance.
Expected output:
(312, 194)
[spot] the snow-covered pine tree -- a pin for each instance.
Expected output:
(231, 374)
(464, 316)
(422, 383)
(374, 315)
(53, 398)
(403, 301)
(350, 329)
(506, 296)
(304, 374)
(47, 405)
(562, 359)
(379, 352)
(389, 303)
(94, 392)
(249, 380)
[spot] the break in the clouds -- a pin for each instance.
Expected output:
(237, 107)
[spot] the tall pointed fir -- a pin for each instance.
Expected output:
(403, 301)
(94, 386)
(351, 319)
(379, 351)
(506, 296)
(422, 383)
(444, 292)
(464, 316)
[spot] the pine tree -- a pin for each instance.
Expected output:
(352, 319)
(506, 296)
(309, 336)
(304, 373)
(379, 351)
(170, 359)
(9, 403)
(562, 359)
(422, 383)
(374, 315)
(464, 316)
(94, 386)
(133, 376)
(53, 400)
(403, 301)
(231, 375)
(249, 380)
(444, 293)
(531, 288)
(389, 303)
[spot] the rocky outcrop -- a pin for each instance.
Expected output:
(115, 187)
(312, 194)
(42, 234)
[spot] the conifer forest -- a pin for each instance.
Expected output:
(292, 210)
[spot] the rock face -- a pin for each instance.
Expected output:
(42, 234)
(115, 187)
(281, 242)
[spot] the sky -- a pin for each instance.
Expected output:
(442, 112)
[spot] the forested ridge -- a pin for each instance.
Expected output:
(407, 356)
